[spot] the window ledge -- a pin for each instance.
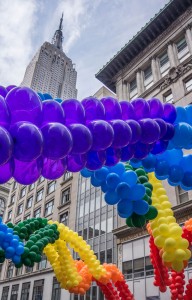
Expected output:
(64, 204)
(67, 180)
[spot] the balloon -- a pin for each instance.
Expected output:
(6, 146)
(102, 133)
(94, 109)
(82, 138)
(53, 169)
(136, 131)
(28, 141)
(101, 174)
(159, 147)
(163, 127)
(10, 87)
(76, 163)
(95, 160)
(27, 172)
(181, 115)
(141, 150)
(162, 169)
(127, 153)
(24, 105)
(4, 113)
(129, 177)
(52, 112)
(137, 192)
(57, 141)
(58, 100)
(141, 108)
(150, 131)
(95, 182)
(127, 110)
(123, 190)
(118, 168)
(6, 171)
(140, 207)
(138, 221)
(182, 136)
(122, 133)
(112, 156)
(152, 213)
(112, 108)
(86, 173)
(125, 208)
(112, 180)
(41, 96)
(187, 179)
(175, 173)
(47, 96)
(3, 91)
(149, 162)
(78, 115)
(156, 108)
(169, 114)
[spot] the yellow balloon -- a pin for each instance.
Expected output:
(177, 265)
(159, 241)
(168, 256)
(164, 229)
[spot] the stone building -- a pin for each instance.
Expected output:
(51, 71)
(156, 62)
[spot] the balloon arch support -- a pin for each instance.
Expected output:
(126, 148)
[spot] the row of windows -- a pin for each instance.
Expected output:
(31, 186)
(38, 288)
(164, 65)
(105, 226)
(168, 96)
(65, 198)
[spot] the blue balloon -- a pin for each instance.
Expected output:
(181, 115)
(101, 174)
(174, 156)
(187, 179)
(47, 96)
(185, 187)
(162, 169)
(16, 259)
(10, 251)
(123, 190)
(186, 163)
(104, 187)
(136, 163)
(175, 174)
(95, 182)
(86, 173)
(14, 243)
(5, 245)
(118, 168)
(183, 135)
(3, 227)
(58, 100)
(20, 250)
(137, 192)
(111, 197)
(172, 183)
(188, 110)
(41, 96)
(2, 236)
(112, 180)
(140, 207)
(8, 237)
(149, 163)
(125, 208)
(129, 177)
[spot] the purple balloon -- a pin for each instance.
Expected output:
(6, 146)
(169, 133)
(159, 147)
(53, 169)
(170, 113)
(113, 156)
(10, 87)
(127, 152)
(74, 111)
(102, 133)
(82, 138)
(141, 150)
(122, 133)
(58, 141)
(6, 171)
(3, 91)
(163, 127)
(76, 163)
(27, 172)
(156, 108)
(112, 108)
(95, 160)
(24, 105)
(127, 110)
(136, 131)
(94, 109)
(141, 108)
(150, 131)
(28, 141)
(52, 112)
(4, 114)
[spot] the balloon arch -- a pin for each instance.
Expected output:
(126, 148)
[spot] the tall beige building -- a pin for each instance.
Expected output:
(51, 71)
(156, 62)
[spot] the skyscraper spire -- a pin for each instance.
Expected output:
(58, 36)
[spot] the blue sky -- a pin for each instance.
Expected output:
(94, 30)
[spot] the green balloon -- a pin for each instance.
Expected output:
(33, 238)
(38, 258)
(2, 252)
(34, 248)
(32, 256)
(138, 221)
(152, 213)
(148, 191)
(10, 225)
(18, 266)
(129, 222)
(26, 252)
(40, 245)
(22, 236)
(149, 201)
(24, 230)
(143, 179)
(148, 185)
(140, 172)
(29, 244)
(21, 224)
(27, 261)
(17, 228)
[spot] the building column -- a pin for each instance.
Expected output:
(188, 36)
(125, 90)
(119, 89)
(155, 69)
(172, 58)
(139, 79)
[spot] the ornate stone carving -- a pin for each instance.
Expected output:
(174, 74)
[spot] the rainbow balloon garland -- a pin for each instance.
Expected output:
(125, 148)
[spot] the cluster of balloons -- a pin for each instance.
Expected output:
(39, 135)
(172, 165)
(177, 285)
(127, 188)
(121, 292)
(188, 291)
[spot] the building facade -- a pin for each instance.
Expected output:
(157, 62)
(51, 71)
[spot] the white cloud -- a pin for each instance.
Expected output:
(17, 25)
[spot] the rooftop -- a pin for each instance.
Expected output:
(163, 19)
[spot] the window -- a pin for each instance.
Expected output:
(102, 257)
(10, 270)
(9, 215)
(39, 196)
(12, 199)
(14, 185)
(41, 179)
(64, 218)
(5, 293)
(38, 290)
(31, 187)
(133, 89)
(49, 208)
(182, 49)
(183, 195)
(164, 63)
(20, 209)
(37, 213)
(56, 290)
(168, 97)
(67, 175)
(148, 77)
(148, 266)
(65, 196)
(14, 292)
(27, 217)
(109, 256)
(29, 202)
(25, 291)
(23, 192)
(188, 85)
(138, 267)
(51, 187)
(43, 263)
(127, 269)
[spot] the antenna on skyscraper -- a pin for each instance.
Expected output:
(58, 36)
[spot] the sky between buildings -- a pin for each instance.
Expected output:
(94, 30)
